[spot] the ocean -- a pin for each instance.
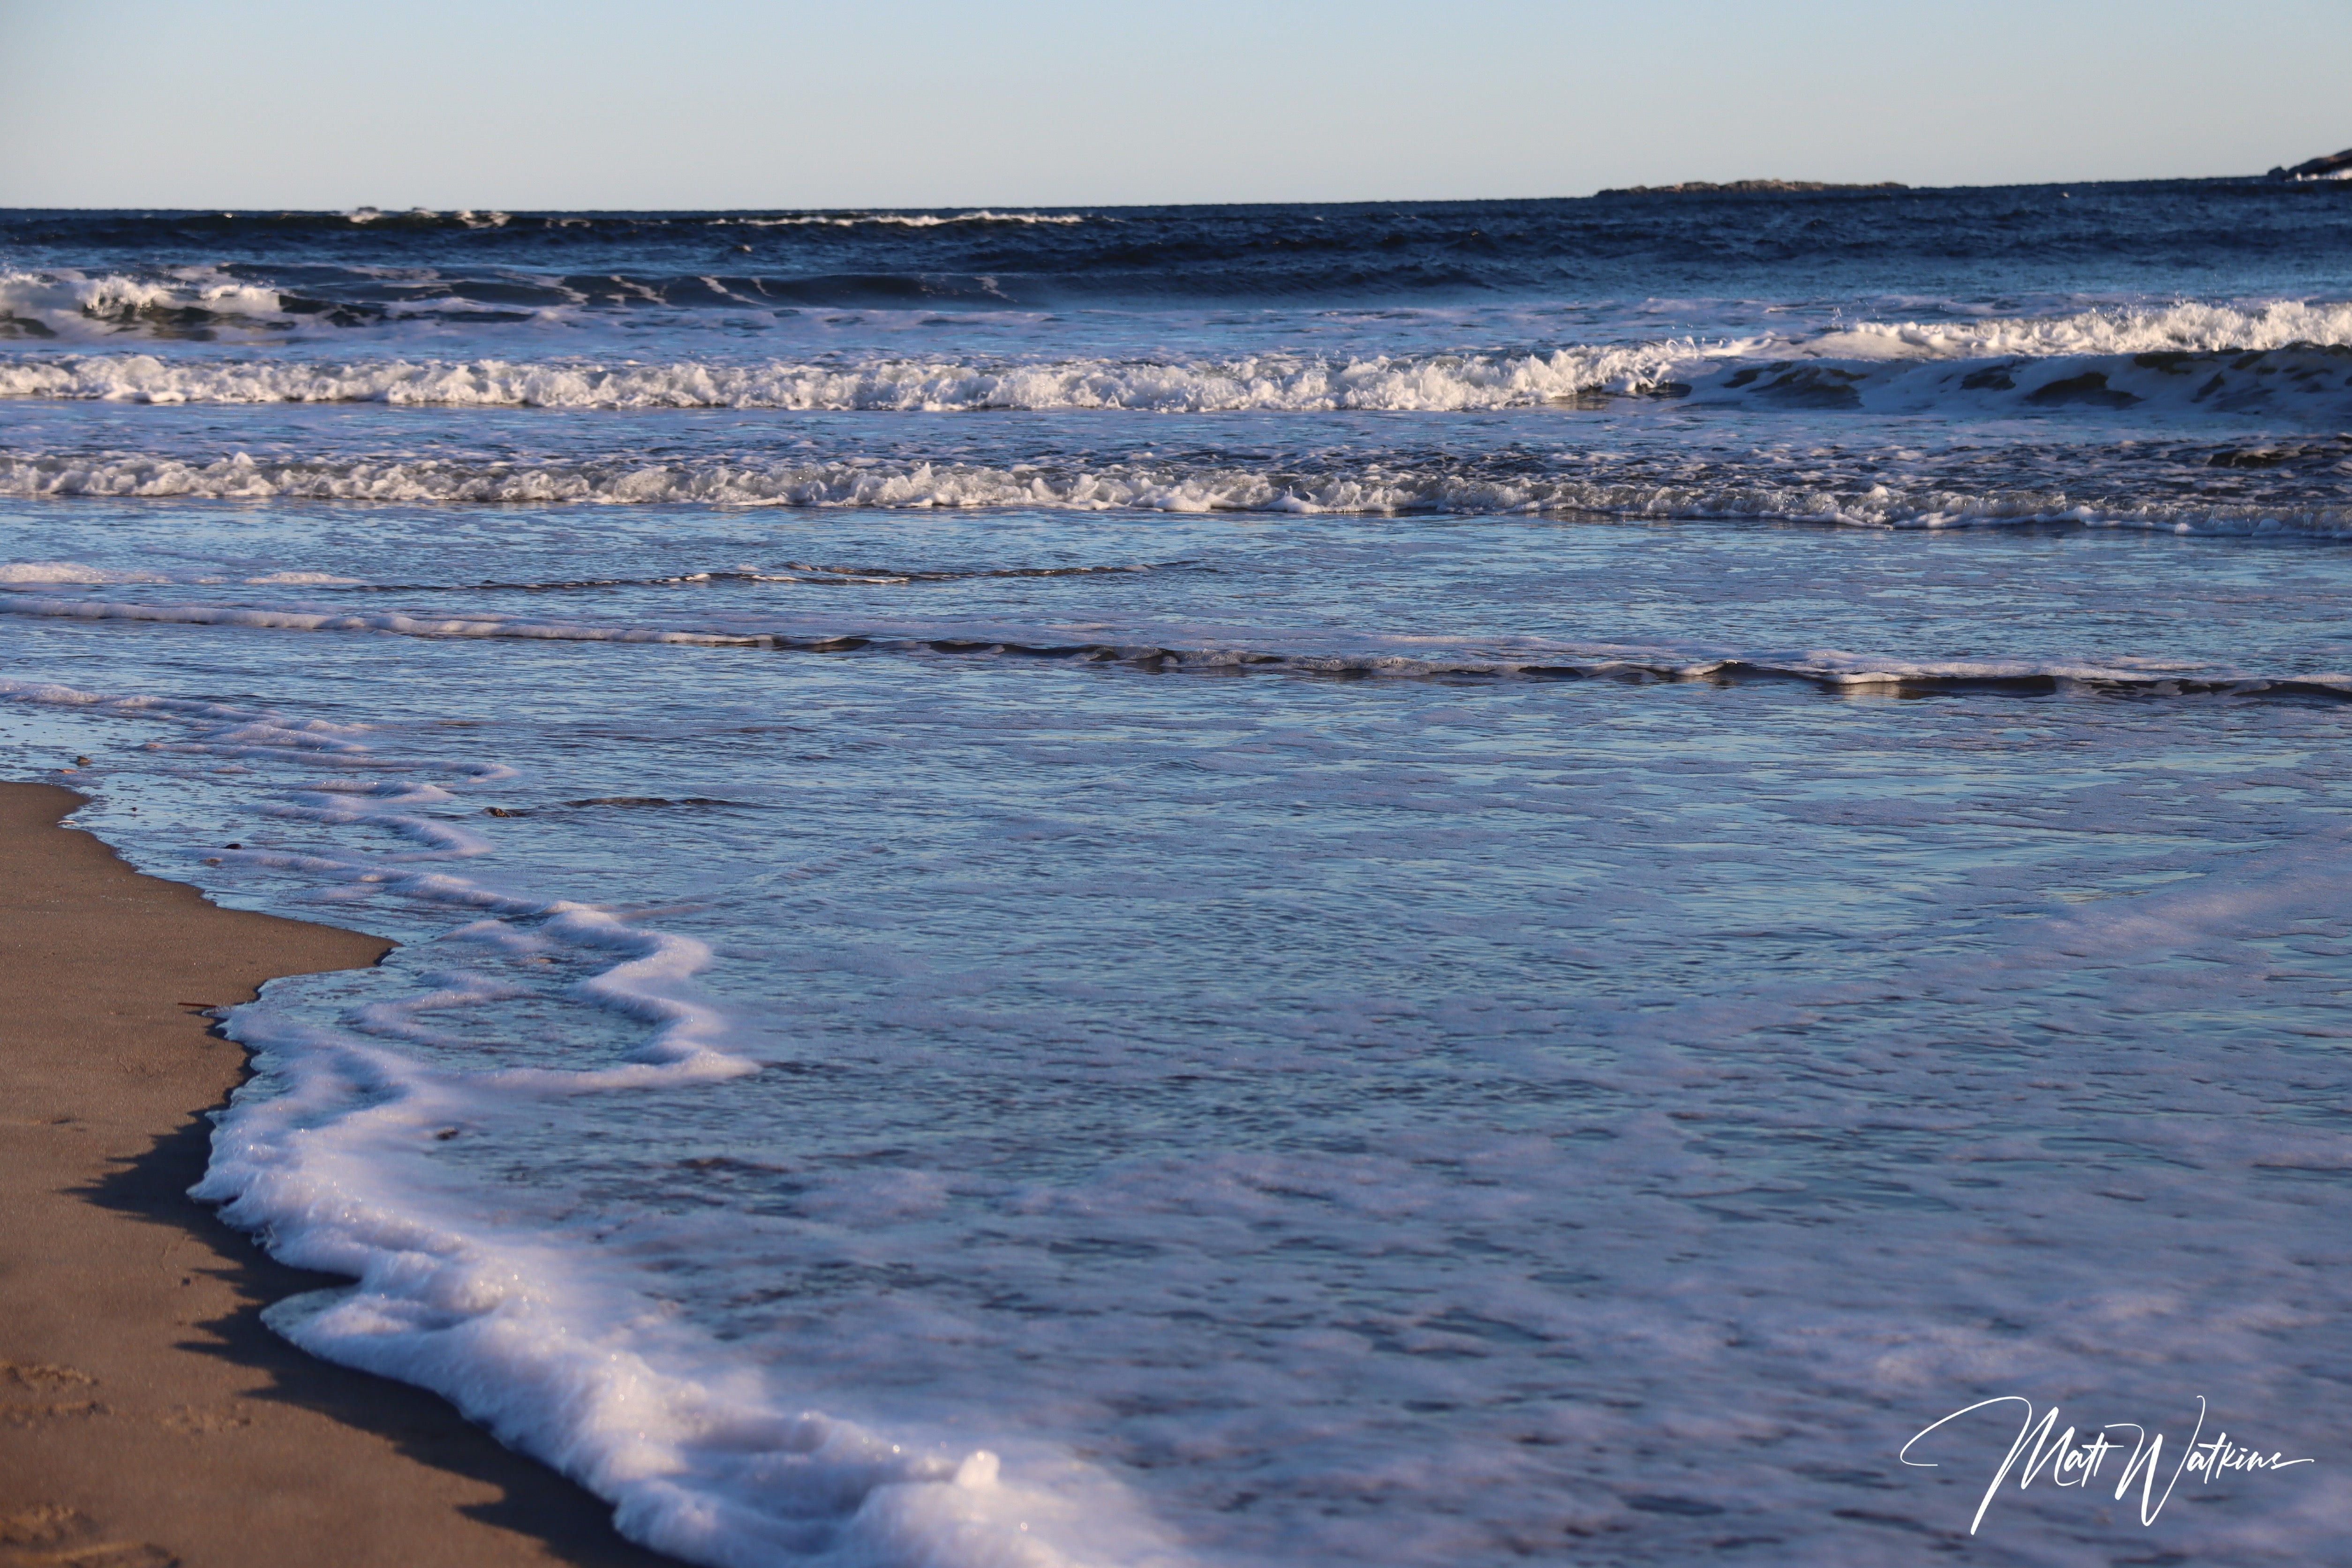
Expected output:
(1421, 885)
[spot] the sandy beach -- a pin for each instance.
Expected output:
(146, 1415)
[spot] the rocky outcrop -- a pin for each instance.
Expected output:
(1748, 187)
(2338, 167)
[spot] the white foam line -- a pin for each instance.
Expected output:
(581, 1374)
(1135, 486)
(1270, 381)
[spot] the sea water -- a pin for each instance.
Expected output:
(1425, 885)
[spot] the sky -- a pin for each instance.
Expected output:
(532, 104)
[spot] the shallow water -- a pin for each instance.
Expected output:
(1117, 959)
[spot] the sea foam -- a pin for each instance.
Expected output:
(326, 1153)
(1389, 488)
(2189, 361)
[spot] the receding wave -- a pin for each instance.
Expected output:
(1391, 657)
(1862, 501)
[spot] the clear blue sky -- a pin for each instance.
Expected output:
(735, 103)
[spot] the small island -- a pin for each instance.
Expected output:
(1748, 187)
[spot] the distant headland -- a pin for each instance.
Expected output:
(2336, 166)
(1747, 187)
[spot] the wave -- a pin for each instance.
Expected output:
(2299, 379)
(71, 304)
(1405, 658)
(2184, 326)
(201, 304)
(1269, 381)
(1367, 489)
(2289, 357)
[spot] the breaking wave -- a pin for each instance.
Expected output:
(1274, 381)
(2183, 327)
(2186, 359)
(70, 304)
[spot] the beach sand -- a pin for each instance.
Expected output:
(146, 1415)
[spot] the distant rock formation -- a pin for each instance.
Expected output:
(1748, 187)
(2337, 167)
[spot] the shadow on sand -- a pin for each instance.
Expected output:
(575, 1526)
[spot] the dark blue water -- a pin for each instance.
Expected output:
(2204, 236)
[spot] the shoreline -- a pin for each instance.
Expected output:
(147, 1417)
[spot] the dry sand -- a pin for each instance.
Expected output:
(146, 1415)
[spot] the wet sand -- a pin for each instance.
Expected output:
(146, 1415)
